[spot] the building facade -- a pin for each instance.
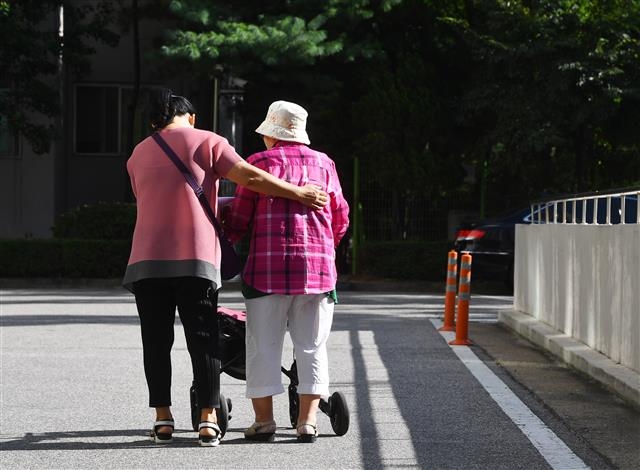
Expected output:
(98, 129)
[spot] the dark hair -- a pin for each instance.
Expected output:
(164, 106)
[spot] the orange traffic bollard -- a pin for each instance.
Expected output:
(450, 293)
(464, 294)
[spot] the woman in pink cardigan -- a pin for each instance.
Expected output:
(175, 254)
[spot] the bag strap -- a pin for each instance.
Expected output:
(197, 189)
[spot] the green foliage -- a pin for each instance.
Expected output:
(241, 37)
(107, 259)
(278, 40)
(30, 51)
(550, 80)
(535, 95)
(63, 258)
(244, 37)
(104, 220)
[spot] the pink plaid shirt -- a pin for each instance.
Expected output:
(292, 248)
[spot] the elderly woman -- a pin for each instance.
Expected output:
(290, 274)
(175, 255)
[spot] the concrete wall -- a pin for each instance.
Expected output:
(583, 281)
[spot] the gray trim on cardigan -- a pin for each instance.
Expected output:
(170, 268)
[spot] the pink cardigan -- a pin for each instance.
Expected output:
(173, 236)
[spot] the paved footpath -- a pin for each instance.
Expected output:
(73, 394)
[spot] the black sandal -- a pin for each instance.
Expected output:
(307, 437)
(209, 441)
(261, 432)
(162, 437)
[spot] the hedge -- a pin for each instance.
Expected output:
(69, 258)
(100, 221)
(64, 258)
(93, 241)
(414, 260)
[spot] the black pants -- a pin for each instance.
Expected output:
(197, 302)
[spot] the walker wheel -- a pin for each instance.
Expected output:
(293, 405)
(339, 413)
(195, 409)
(222, 413)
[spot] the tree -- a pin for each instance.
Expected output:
(298, 50)
(550, 80)
(33, 52)
(373, 67)
(313, 50)
(537, 95)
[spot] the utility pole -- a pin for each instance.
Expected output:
(60, 152)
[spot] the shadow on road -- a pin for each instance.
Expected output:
(75, 440)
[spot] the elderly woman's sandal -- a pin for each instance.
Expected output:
(261, 431)
(307, 432)
(162, 437)
(207, 440)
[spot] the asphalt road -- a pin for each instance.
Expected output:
(73, 394)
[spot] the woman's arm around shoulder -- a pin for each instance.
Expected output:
(260, 181)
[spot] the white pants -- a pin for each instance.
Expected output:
(309, 317)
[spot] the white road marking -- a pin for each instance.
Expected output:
(550, 446)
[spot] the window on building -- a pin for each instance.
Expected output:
(103, 119)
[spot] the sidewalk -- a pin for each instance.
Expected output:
(621, 380)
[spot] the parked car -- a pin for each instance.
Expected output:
(491, 242)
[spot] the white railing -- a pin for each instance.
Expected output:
(620, 207)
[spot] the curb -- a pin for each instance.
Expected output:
(389, 286)
(345, 283)
(55, 282)
(620, 379)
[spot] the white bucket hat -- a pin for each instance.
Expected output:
(285, 121)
